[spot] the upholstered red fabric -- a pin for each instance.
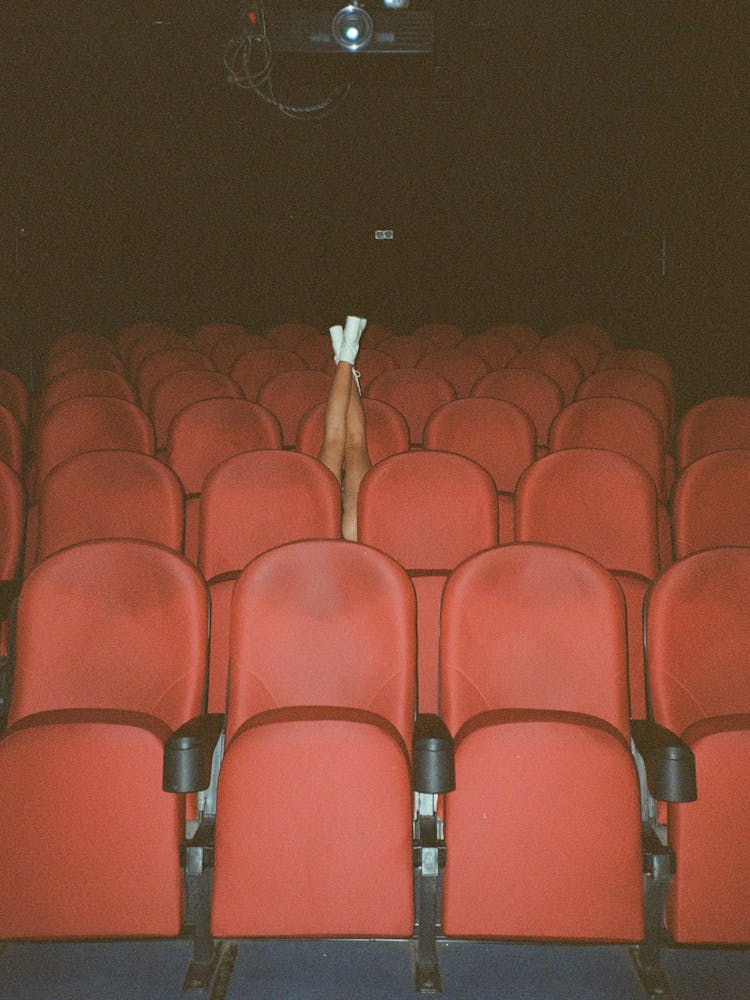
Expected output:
(620, 425)
(532, 391)
(698, 644)
(313, 829)
(15, 395)
(12, 509)
(534, 686)
(440, 335)
(290, 394)
(251, 503)
(109, 494)
(580, 346)
(429, 510)
(495, 349)
(494, 433)
(81, 357)
(11, 440)
(174, 392)
(161, 363)
(604, 504)
(406, 350)
(254, 367)
(87, 423)
(711, 502)
(461, 368)
(630, 383)
(554, 362)
(713, 425)
(286, 336)
(110, 658)
(415, 393)
(85, 382)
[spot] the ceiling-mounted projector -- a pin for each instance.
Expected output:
(378, 26)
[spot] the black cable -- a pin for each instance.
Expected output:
(254, 48)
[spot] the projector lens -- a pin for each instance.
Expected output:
(352, 28)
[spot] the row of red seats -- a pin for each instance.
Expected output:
(311, 830)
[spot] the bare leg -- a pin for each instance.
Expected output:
(356, 462)
(333, 449)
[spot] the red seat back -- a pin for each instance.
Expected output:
(711, 502)
(174, 392)
(415, 393)
(109, 494)
(713, 425)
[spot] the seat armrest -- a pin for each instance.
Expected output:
(433, 770)
(670, 763)
(188, 754)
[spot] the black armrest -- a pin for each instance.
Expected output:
(670, 763)
(9, 591)
(433, 769)
(188, 754)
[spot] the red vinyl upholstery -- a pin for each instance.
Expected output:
(110, 658)
(713, 425)
(543, 832)
(711, 502)
(495, 349)
(698, 642)
(554, 362)
(603, 504)
(429, 510)
(460, 367)
(251, 503)
(85, 382)
(109, 494)
(629, 383)
(290, 394)
(205, 434)
(313, 822)
(497, 435)
(161, 363)
(255, 367)
(415, 393)
(87, 423)
(206, 336)
(533, 391)
(174, 392)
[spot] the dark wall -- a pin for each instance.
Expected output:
(552, 161)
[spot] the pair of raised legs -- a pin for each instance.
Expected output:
(344, 448)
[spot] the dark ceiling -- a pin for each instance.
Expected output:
(550, 159)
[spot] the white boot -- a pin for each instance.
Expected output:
(353, 330)
(337, 339)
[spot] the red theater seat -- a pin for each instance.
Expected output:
(251, 503)
(85, 382)
(174, 392)
(314, 806)
(497, 435)
(604, 505)
(711, 502)
(405, 350)
(461, 368)
(532, 391)
(415, 393)
(206, 336)
(205, 434)
(698, 642)
(713, 425)
(110, 659)
(109, 494)
(161, 363)
(495, 349)
(534, 688)
(15, 395)
(290, 394)
(429, 510)
(257, 366)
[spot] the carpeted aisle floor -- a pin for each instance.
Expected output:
(358, 970)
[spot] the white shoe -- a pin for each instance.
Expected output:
(337, 339)
(353, 330)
